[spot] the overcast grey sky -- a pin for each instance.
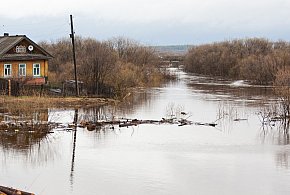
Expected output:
(152, 22)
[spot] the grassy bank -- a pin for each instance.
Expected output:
(53, 102)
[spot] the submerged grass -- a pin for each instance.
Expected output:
(24, 120)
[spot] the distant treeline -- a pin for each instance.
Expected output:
(257, 60)
(108, 67)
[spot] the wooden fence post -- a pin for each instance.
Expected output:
(9, 87)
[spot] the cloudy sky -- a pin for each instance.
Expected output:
(152, 22)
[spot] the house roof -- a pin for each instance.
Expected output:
(8, 42)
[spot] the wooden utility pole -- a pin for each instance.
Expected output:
(72, 36)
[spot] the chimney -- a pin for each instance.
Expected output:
(6, 34)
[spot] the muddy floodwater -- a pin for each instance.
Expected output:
(237, 156)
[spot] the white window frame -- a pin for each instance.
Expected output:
(36, 69)
(22, 70)
(6, 70)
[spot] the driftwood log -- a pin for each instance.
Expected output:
(11, 191)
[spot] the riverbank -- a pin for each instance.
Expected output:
(49, 102)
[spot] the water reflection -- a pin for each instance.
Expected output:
(26, 133)
(217, 89)
(139, 99)
(32, 148)
(276, 132)
(76, 116)
(283, 159)
(21, 129)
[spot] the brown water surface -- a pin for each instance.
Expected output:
(235, 157)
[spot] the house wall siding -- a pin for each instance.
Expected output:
(29, 68)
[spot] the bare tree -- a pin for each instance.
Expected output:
(254, 59)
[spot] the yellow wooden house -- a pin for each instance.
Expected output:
(23, 60)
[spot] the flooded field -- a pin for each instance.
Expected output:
(237, 156)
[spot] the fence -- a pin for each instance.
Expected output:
(9, 87)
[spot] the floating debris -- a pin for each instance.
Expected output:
(240, 119)
(134, 122)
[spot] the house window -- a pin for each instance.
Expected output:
(22, 70)
(36, 69)
(7, 70)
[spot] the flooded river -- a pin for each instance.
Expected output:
(237, 156)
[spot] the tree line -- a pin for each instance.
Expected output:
(105, 67)
(254, 59)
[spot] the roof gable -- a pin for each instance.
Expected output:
(8, 42)
(20, 46)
